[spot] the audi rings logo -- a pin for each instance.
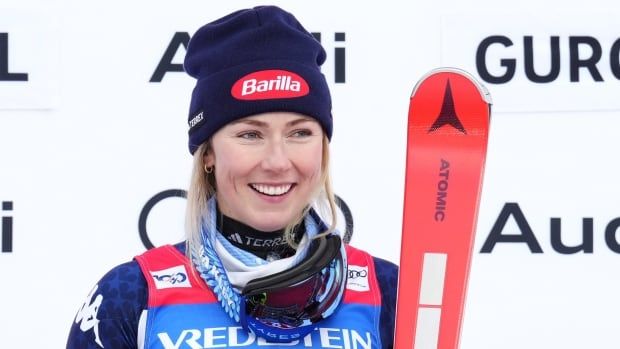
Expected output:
(171, 277)
(344, 214)
(357, 278)
(354, 274)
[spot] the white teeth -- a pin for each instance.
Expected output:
(271, 189)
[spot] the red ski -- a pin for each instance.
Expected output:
(448, 125)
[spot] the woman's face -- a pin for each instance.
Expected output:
(267, 167)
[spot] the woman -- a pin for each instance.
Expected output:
(263, 264)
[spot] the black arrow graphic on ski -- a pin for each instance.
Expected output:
(447, 115)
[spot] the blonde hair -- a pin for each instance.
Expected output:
(202, 188)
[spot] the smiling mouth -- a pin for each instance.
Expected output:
(272, 190)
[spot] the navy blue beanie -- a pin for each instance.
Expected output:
(254, 61)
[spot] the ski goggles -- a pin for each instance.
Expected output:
(286, 306)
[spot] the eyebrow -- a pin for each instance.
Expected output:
(259, 123)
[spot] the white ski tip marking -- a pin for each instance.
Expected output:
(433, 277)
(431, 296)
(427, 328)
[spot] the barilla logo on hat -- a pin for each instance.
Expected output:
(270, 84)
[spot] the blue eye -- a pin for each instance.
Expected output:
(302, 133)
(249, 135)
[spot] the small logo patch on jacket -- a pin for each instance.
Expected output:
(171, 277)
(357, 278)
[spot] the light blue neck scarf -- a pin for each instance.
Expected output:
(226, 268)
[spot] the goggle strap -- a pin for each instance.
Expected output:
(322, 251)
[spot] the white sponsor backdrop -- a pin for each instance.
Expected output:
(88, 140)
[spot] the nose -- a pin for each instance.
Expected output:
(276, 158)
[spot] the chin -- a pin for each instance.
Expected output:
(271, 225)
(273, 221)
